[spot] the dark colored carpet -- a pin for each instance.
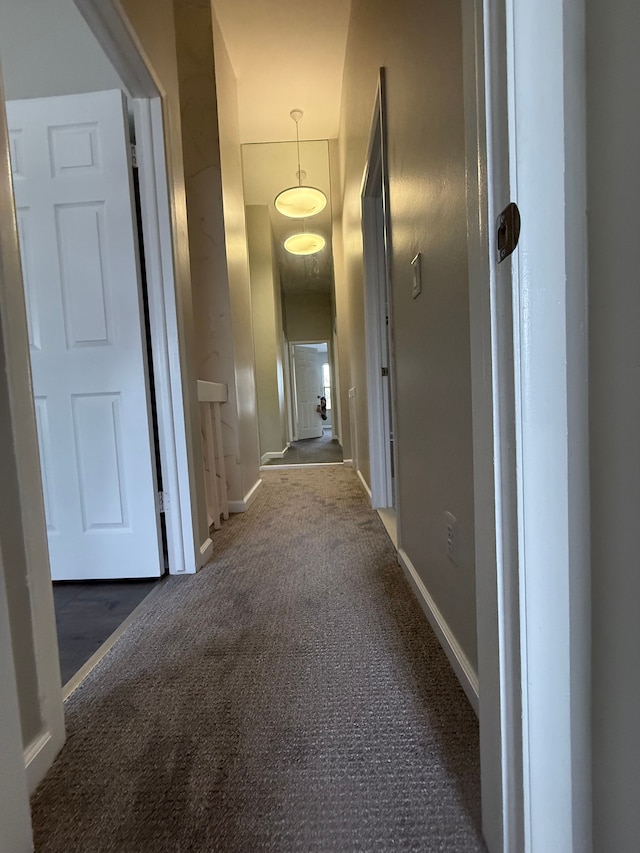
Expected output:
(289, 697)
(88, 612)
(311, 451)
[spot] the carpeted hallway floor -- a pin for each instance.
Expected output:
(313, 451)
(289, 697)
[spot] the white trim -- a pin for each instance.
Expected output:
(364, 484)
(378, 308)
(156, 230)
(546, 91)
(15, 819)
(39, 755)
(206, 552)
(534, 65)
(461, 664)
(174, 402)
(302, 465)
(290, 377)
(252, 494)
(109, 24)
(274, 454)
(348, 463)
(492, 384)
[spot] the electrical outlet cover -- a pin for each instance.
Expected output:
(451, 543)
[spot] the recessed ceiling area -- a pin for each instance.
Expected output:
(286, 54)
(267, 169)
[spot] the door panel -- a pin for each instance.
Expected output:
(74, 199)
(308, 379)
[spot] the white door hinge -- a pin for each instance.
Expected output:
(162, 501)
(134, 156)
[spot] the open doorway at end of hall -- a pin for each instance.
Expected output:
(309, 383)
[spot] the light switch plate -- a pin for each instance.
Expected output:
(416, 265)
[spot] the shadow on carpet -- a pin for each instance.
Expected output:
(289, 697)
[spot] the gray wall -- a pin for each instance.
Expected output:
(307, 316)
(267, 330)
(425, 127)
(613, 149)
(47, 49)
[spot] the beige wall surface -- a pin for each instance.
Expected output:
(267, 330)
(237, 262)
(342, 341)
(613, 169)
(307, 316)
(213, 334)
(420, 45)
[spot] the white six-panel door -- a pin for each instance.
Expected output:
(309, 389)
(74, 199)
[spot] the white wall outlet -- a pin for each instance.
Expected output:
(451, 543)
(416, 268)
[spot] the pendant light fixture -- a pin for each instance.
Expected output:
(301, 201)
(304, 243)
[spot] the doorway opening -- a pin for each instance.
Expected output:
(379, 322)
(94, 303)
(308, 388)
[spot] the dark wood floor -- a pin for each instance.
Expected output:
(88, 612)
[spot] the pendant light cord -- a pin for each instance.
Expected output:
(298, 146)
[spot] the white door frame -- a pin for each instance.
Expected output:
(529, 380)
(290, 377)
(15, 819)
(378, 309)
(118, 40)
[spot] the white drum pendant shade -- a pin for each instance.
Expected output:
(305, 243)
(300, 202)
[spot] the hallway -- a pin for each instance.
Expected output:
(289, 697)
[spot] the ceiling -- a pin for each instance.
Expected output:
(286, 54)
(271, 167)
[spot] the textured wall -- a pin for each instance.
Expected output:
(420, 45)
(307, 316)
(267, 331)
(237, 263)
(213, 334)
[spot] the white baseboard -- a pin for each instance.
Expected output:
(39, 755)
(275, 454)
(364, 484)
(206, 552)
(348, 463)
(462, 667)
(286, 466)
(245, 503)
